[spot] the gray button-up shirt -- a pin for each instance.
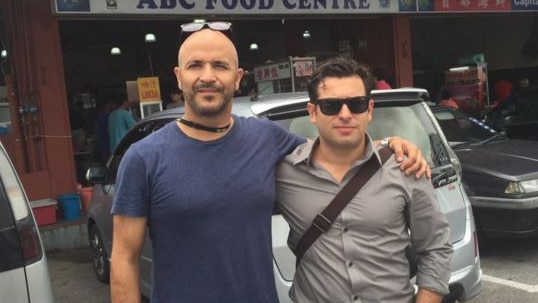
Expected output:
(362, 257)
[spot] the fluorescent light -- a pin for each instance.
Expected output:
(198, 20)
(3, 54)
(150, 38)
(306, 34)
(115, 51)
(458, 69)
(253, 46)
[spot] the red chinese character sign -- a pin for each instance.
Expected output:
(286, 76)
(473, 5)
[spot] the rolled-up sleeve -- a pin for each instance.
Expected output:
(430, 236)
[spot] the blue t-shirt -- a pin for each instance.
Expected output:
(209, 206)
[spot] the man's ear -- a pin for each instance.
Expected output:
(311, 108)
(240, 74)
(177, 72)
(370, 109)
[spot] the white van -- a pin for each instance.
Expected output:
(24, 273)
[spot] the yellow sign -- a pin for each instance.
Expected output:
(148, 89)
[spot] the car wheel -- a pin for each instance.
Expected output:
(101, 264)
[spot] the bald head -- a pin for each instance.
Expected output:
(208, 40)
(208, 73)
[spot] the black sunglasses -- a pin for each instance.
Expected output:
(188, 28)
(332, 106)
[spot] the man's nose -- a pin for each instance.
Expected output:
(208, 73)
(344, 113)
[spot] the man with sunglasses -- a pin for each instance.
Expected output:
(360, 257)
(205, 187)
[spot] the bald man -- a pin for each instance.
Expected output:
(205, 187)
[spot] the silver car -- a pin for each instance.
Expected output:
(24, 274)
(401, 112)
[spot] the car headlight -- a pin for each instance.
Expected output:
(523, 187)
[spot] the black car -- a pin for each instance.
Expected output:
(500, 174)
(517, 116)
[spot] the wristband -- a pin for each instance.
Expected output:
(384, 141)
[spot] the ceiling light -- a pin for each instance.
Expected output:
(115, 51)
(253, 46)
(306, 34)
(198, 20)
(150, 38)
(3, 54)
(459, 69)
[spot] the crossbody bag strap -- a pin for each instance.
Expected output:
(323, 221)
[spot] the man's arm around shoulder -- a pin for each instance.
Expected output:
(128, 239)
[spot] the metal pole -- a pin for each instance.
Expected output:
(150, 63)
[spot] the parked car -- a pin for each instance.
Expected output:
(500, 175)
(517, 116)
(397, 112)
(24, 273)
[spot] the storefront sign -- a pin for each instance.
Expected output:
(272, 72)
(148, 89)
(282, 7)
(224, 7)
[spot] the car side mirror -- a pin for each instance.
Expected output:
(96, 174)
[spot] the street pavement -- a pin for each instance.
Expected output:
(73, 279)
(509, 267)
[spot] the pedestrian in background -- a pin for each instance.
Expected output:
(101, 130)
(502, 89)
(120, 121)
(523, 82)
(447, 99)
(381, 81)
(176, 99)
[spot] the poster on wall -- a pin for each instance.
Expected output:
(303, 67)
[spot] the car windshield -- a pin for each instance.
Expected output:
(461, 128)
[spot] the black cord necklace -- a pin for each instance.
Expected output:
(203, 127)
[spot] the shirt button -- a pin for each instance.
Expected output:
(355, 298)
(346, 229)
(349, 264)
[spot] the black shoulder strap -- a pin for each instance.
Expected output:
(323, 221)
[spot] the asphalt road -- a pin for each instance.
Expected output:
(510, 274)
(510, 271)
(73, 279)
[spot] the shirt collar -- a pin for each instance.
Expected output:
(303, 153)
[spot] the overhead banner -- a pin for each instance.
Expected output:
(281, 7)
